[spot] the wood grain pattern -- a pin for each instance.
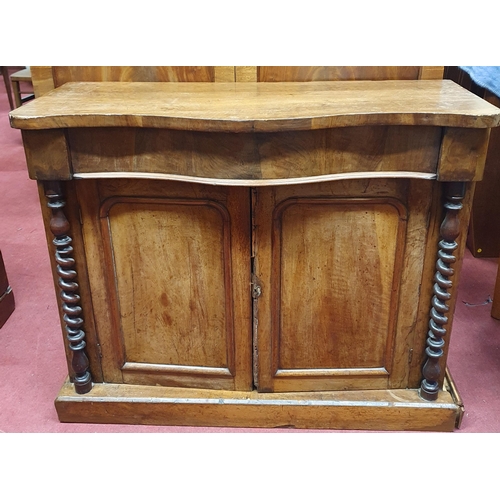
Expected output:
(180, 315)
(175, 301)
(287, 155)
(335, 251)
(394, 370)
(47, 155)
(463, 155)
(327, 254)
(224, 74)
(253, 107)
(364, 410)
(42, 79)
(431, 73)
(246, 73)
(64, 74)
(335, 73)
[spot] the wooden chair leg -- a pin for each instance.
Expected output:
(495, 306)
(6, 79)
(17, 93)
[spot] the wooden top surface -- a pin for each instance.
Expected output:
(256, 107)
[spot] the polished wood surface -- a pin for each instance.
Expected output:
(180, 312)
(321, 251)
(245, 159)
(335, 73)
(64, 74)
(253, 107)
(296, 257)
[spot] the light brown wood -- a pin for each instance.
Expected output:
(335, 73)
(47, 154)
(254, 107)
(23, 75)
(224, 74)
(246, 73)
(364, 410)
(315, 329)
(256, 182)
(178, 314)
(43, 79)
(320, 281)
(463, 154)
(431, 73)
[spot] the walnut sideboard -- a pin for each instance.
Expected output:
(257, 254)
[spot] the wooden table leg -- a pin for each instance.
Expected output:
(17, 93)
(495, 306)
(6, 79)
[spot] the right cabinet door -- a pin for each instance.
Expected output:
(339, 265)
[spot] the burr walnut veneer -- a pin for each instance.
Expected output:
(276, 254)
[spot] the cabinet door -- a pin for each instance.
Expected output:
(339, 267)
(169, 272)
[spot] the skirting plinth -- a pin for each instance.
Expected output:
(391, 410)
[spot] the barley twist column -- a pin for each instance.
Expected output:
(450, 230)
(59, 226)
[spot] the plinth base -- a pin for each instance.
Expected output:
(391, 410)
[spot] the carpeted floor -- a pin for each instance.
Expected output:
(32, 364)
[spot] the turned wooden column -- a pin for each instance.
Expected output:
(59, 226)
(450, 229)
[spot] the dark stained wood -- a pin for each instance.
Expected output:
(7, 303)
(450, 230)
(484, 230)
(59, 226)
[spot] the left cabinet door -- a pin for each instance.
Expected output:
(169, 273)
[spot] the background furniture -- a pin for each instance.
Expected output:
(8, 87)
(7, 304)
(484, 230)
(16, 78)
(316, 214)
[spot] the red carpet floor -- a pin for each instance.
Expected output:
(32, 364)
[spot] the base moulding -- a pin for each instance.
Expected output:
(379, 410)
